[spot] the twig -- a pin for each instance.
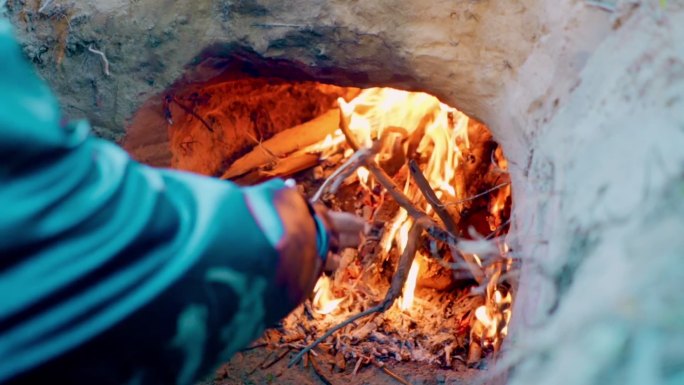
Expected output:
(496, 231)
(358, 365)
(386, 181)
(341, 173)
(253, 347)
(479, 194)
(278, 25)
(394, 375)
(317, 370)
(393, 293)
(105, 62)
(260, 144)
(432, 227)
(268, 356)
(431, 197)
(278, 358)
(192, 112)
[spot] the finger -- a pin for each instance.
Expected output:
(332, 263)
(346, 222)
(350, 239)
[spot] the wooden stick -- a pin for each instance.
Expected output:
(341, 173)
(257, 346)
(393, 293)
(285, 143)
(431, 197)
(357, 366)
(268, 356)
(474, 353)
(191, 112)
(394, 375)
(432, 227)
(278, 358)
(478, 195)
(285, 167)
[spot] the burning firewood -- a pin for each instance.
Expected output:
(392, 294)
(284, 143)
(433, 228)
(424, 219)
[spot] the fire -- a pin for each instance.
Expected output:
(408, 292)
(363, 175)
(376, 110)
(495, 315)
(410, 287)
(435, 135)
(323, 301)
(328, 145)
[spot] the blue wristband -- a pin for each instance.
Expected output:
(322, 240)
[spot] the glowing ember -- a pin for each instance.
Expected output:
(323, 301)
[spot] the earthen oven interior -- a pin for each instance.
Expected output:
(584, 97)
(256, 119)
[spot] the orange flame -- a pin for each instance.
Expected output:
(441, 129)
(494, 317)
(375, 110)
(323, 301)
(362, 173)
(410, 287)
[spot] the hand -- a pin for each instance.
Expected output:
(347, 230)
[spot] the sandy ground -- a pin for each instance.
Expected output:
(245, 368)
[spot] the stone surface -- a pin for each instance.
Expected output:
(588, 105)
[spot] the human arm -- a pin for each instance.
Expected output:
(106, 261)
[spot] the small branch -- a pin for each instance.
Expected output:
(393, 293)
(317, 370)
(276, 360)
(105, 62)
(479, 194)
(394, 375)
(341, 173)
(278, 25)
(387, 182)
(474, 353)
(444, 215)
(432, 227)
(268, 356)
(431, 197)
(192, 113)
(358, 365)
(253, 347)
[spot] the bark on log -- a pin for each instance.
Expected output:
(285, 143)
